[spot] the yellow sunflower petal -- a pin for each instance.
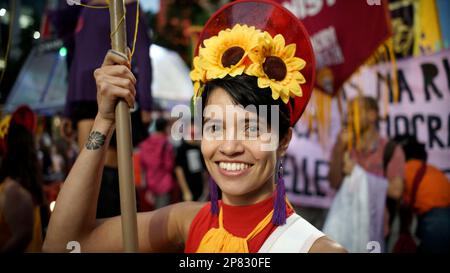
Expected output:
(263, 82)
(295, 89)
(211, 42)
(196, 61)
(193, 75)
(196, 88)
(278, 93)
(295, 64)
(238, 70)
(289, 51)
(254, 70)
(284, 94)
(256, 54)
(299, 77)
(197, 74)
(215, 73)
(284, 90)
(276, 88)
(275, 95)
(278, 45)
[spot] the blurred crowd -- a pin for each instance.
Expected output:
(409, 210)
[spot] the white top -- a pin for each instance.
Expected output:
(296, 236)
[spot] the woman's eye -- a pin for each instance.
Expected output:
(253, 129)
(213, 128)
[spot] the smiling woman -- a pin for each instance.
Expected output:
(233, 145)
(254, 61)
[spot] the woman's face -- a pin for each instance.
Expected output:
(232, 146)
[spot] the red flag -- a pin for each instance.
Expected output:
(345, 33)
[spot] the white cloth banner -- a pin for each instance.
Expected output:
(307, 163)
(424, 102)
(423, 109)
(354, 219)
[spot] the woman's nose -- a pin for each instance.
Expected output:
(231, 147)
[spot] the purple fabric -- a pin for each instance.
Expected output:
(64, 21)
(214, 196)
(377, 188)
(279, 213)
(92, 41)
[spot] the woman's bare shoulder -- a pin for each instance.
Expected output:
(326, 245)
(179, 217)
(186, 211)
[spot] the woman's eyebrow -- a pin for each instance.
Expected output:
(248, 120)
(208, 119)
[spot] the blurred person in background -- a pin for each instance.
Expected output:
(23, 209)
(58, 164)
(44, 156)
(157, 159)
(370, 154)
(426, 196)
(190, 169)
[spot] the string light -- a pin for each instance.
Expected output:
(36, 35)
(63, 52)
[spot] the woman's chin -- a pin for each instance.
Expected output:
(232, 189)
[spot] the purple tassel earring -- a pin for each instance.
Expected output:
(214, 196)
(279, 214)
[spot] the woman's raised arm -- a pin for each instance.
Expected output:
(74, 216)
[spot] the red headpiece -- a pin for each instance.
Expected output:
(262, 39)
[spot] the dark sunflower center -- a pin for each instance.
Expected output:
(275, 68)
(232, 56)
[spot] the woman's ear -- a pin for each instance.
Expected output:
(284, 143)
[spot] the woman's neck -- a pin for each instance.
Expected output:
(250, 198)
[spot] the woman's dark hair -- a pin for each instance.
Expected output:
(21, 163)
(244, 90)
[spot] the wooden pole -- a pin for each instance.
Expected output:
(123, 134)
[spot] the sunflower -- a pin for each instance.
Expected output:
(276, 67)
(227, 53)
(198, 76)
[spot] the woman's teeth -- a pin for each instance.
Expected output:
(233, 166)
